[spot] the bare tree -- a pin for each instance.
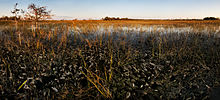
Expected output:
(37, 12)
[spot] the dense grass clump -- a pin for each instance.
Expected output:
(109, 59)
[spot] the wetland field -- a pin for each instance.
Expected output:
(97, 59)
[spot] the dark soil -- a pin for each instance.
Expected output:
(141, 66)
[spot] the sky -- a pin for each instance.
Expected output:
(139, 9)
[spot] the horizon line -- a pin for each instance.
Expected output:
(130, 18)
(147, 18)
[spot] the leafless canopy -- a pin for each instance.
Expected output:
(37, 12)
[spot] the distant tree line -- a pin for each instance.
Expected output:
(114, 18)
(117, 18)
(210, 18)
(10, 18)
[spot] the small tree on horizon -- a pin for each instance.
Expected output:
(15, 12)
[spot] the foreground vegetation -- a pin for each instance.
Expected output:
(109, 59)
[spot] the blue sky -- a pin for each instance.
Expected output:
(96, 9)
